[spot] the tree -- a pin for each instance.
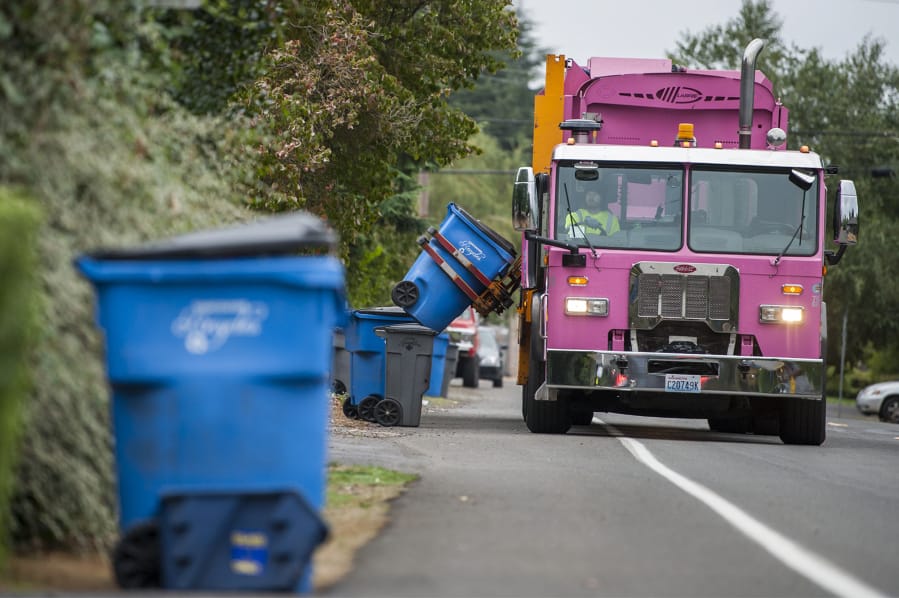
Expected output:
(847, 111)
(359, 92)
(721, 46)
(503, 103)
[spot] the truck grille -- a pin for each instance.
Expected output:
(708, 294)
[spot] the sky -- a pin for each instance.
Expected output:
(580, 29)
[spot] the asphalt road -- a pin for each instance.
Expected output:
(628, 507)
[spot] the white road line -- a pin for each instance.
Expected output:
(813, 567)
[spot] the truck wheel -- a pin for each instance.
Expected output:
(802, 421)
(581, 417)
(498, 381)
(542, 417)
(470, 373)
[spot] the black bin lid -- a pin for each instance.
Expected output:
(267, 236)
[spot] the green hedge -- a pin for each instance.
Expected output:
(19, 223)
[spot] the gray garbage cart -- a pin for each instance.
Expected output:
(409, 350)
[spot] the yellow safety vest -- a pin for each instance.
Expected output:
(608, 222)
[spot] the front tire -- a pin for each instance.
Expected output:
(470, 373)
(581, 417)
(802, 421)
(889, 411)
(542, 417)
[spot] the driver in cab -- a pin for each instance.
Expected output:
(593, 219)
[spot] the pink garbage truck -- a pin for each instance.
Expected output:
(699, 293)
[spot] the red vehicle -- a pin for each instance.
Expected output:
(463, 332)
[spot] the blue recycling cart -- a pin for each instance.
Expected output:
(438, 365)
(218, 351)
(462, 263)
(368, 356)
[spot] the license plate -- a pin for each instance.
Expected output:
(682, 383)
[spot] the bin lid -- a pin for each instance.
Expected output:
(388, 311)
(407, 329)
(272, 235)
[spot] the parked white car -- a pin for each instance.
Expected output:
(880, 399)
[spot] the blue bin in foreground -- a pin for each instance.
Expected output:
(438, 365)
(219, 348)
(368, 356)
(474, 253)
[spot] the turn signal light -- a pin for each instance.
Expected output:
(577, 281)
(792, 289)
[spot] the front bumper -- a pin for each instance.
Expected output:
(717, 374)
(868, 404)
(490, 372)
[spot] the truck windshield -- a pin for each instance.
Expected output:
(751, 211)
(620, 206)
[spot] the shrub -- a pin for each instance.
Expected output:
(19, 221)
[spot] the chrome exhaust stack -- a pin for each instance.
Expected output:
(747, 91)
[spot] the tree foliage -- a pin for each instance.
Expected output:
(503, 103)
(848, 112)
(722, 46)
(359, 89)
(19, 223)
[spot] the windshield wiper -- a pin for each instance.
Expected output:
(793, 238)
(574, 221)
(804, 182)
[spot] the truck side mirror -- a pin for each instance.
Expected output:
(525, 210)
(845, 215)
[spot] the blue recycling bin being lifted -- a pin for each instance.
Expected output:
(457, 264)
(218, 350)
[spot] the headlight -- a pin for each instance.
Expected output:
(585, 306)
(781, 314)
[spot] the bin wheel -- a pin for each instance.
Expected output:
(404, 293)
(349, 409)
(338, 387)
(367, 408)
(136, 557)
(388, 412)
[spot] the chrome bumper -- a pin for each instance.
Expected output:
(645, 372)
